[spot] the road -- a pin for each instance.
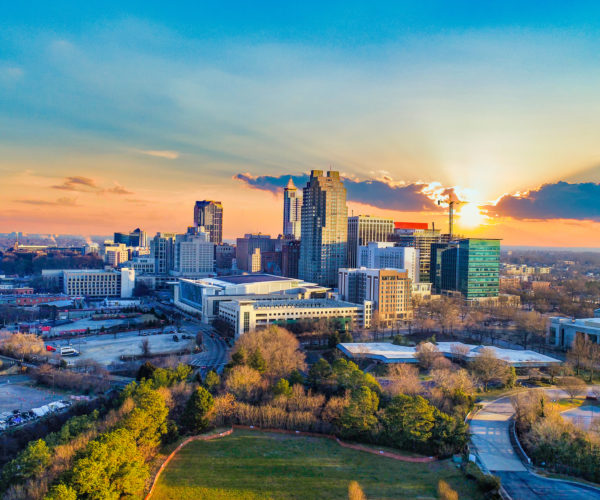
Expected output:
(491, 440)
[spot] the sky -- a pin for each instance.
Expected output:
(122, 116)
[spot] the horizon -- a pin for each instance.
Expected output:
(132, 113)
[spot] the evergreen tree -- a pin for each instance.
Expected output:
(195, 415)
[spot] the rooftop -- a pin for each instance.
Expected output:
(244, 279)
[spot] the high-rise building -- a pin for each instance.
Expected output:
(323, 244)
(209, 214)
(382, 255)
(136, 238)
(363, 229)
(245, 250)
(290, 257)
(471, 266)
(162, 250)
(419, 236)
(388, 289)
(292, 210)
(224, 255)
(194, 254)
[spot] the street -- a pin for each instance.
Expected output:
(491, 440)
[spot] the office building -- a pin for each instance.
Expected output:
(292, 210)
(224, 256)
(209, 214)
(194, 254)
(136, 238)
(98, 282)
(203, 296)
(418, 235)
(323, 245)
(246, 256)
(363, 229)
(563, 331)
(471, 266)
(115, 255)
(388, 289)
(381, 255)
(244, 316)
(162, 250)
(290, 257)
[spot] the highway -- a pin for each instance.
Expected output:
(491, 441)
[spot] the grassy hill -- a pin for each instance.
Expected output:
(253, 465)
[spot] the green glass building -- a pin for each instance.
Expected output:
(471, 266)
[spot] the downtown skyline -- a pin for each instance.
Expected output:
(127, 117)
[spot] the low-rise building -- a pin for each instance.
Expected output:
(247, 315)
(562, 332)
(98, 282)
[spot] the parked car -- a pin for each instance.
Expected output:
(175, 338)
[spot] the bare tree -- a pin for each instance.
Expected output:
(145, 346)
(486, 368)
(573, 386)
(404, 379)
(427, 353)
(579, 351)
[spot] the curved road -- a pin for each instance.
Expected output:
(491, 439)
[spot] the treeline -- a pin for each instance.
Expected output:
(25, 264)
(105, 454)
(552, 441)
(263, 386)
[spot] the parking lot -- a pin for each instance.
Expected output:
(106, 349)
(15, 394)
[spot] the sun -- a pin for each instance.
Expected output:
(470, 216)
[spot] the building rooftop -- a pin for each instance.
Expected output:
(390, 353)
(244, 279)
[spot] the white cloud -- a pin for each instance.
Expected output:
(169, 155)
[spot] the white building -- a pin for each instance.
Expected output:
(204, 296)
(247, 315)
(562, 331)
(194, 254)
(98, 282)
(292, 210)
(389, 353)
(114, 255)
(142, 265)
(384, 255)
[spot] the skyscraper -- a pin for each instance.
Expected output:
(324, 229)
(363, 229)
(292, 210)
(209, 214)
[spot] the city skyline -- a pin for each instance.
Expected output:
(135, 114)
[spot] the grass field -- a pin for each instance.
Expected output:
(252, 465)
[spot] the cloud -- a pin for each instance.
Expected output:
(77, 183)
(380, 193)
(87, 185)
(62, 202)
(118, 189)
(561, 200)
(169, 155)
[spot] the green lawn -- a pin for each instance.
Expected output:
(254, 465)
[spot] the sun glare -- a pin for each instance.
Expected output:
(470, 216)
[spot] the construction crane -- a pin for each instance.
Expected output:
(451, 201)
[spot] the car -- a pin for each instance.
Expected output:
(175, 338)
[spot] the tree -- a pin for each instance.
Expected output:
(358, 418)
(145, 347)
(296, 378)
(486, 367)
(573, 386)
(427, 353)
(279, 348)
(110, 468)
(319, 372)
(579, 351)
(282, 388)
(257, 362)
(408, 421)
(404, 379)
(445, 491)
(355, 492)
(196, 414)
(61, 492)
(212, 381)
(243, 382)
(530, 324)
(28, 464)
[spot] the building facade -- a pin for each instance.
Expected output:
(246, 256)
(381, 255)
(247, 315)
(162, 250)
(194, 254)
(388, 289)
(363, 229)
(323, 245)
(99, 283)
(209, 214)
(292, 211)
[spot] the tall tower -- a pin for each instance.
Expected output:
(324, 229)
(209, 214)
(292, 210)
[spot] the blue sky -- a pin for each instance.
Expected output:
(174, 101)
